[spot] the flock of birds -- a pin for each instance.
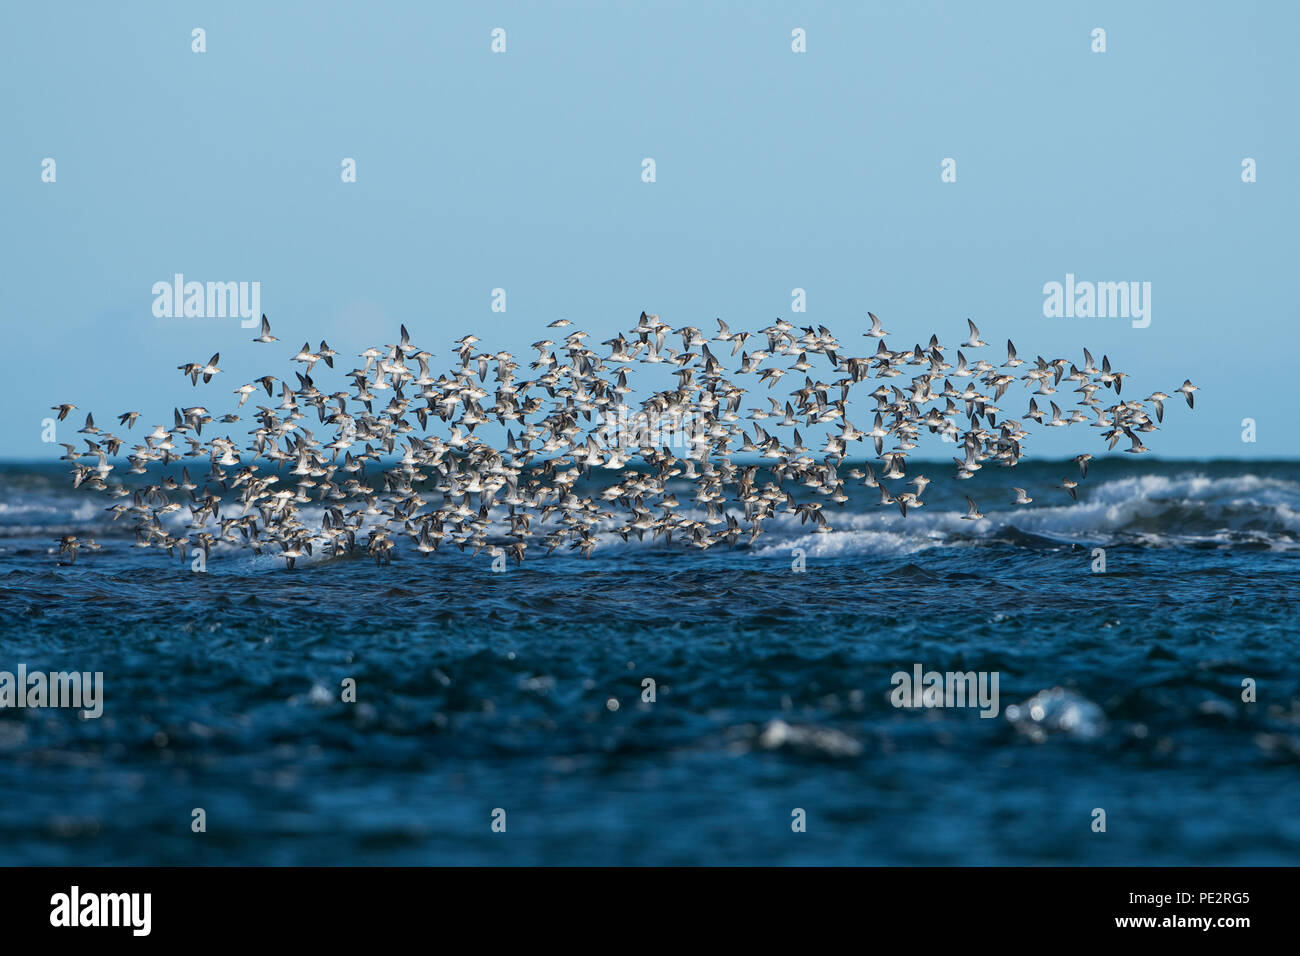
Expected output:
(570, 418)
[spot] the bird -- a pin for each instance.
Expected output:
(70, 545)
(305, 354)
(266, 335)
(397, 453)
(210, 368)
(195, 370)
(1187, 388)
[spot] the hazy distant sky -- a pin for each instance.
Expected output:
(775, 170)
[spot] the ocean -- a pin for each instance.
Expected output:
(663, 705)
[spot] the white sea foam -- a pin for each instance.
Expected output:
(1155, 510)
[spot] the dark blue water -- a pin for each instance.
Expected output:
(479, 690)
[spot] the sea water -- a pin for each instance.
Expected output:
(661, 705)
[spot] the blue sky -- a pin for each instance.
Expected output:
(522, 171)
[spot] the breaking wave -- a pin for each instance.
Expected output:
(1162, 504)
(1194, 510)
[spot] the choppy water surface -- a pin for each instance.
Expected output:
(478, 690)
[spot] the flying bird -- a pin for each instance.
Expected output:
(497, 457)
